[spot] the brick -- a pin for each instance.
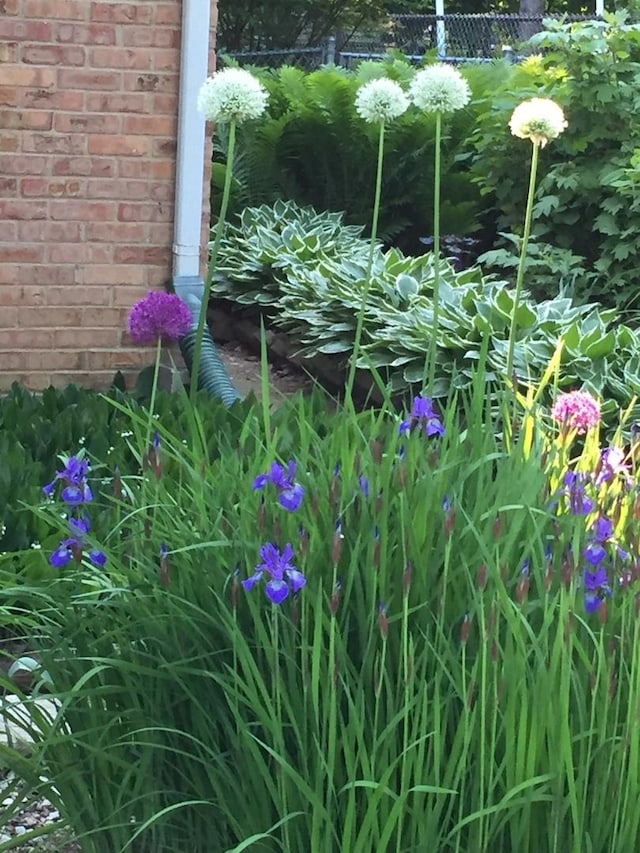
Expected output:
(157, 276)
(97, 167)
(8, 187)
(121, 13)
(79, 253)
(19, 75)
(10, 275)
(120, 57)
(9, 318)
(35, 187)
(23, 210)
(115, 103)
(155, 255)
(119, 360)
(45, 188)
(131, 191)
(134, 82)
(166, 59)
(109, 274)
(54, 100)
(27, 338)
(55, 9)
(8, 142)
(8, 96)
(97, 296)
(165, 104)
(109, 317)
(13, 295)
(23, 164)
(75, 78)
(80, 210)
(150, 169)
(161, 192)
(117, 232)
(9, 7)
(88, 34)
(152, 125)
(23, 254)
(79, 339)
(167, 13)
(45, 316)
(52, 54)
(25, 30)
(44, 143)
(164, 148)
(87, 123)
(8, 233)
(8, 52)
(161, 233)
(47, 275)
(151, 37)
(142, 212)
(27, 120)
(122, 146)
(55, 232)
(125, 296)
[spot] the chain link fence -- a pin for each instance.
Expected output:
(453, 38)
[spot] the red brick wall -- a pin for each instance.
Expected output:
(88, 106)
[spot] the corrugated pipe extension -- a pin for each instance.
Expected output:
(187, 281)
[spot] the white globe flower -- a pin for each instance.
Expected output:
(538, 119)
(439, 89)
(381, 100)
(232, 94)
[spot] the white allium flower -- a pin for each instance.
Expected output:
(381, 100)
(439, 89)
(538, 119)
(232, 95)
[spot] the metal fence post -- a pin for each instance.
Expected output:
(330, 51)
(441, 33)
(507, 53)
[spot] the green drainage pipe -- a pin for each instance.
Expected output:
(213, 376)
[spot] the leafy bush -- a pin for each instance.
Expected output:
(315, 150)
(308, 272)
(587, 196)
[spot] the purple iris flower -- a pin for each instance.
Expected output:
(291, 494)
(284, 577)
(73, 546)
(602, 529)
(424, 415)
(364, 485)
(613, 463)
(74, 475)
(596, 585)
(579, 502)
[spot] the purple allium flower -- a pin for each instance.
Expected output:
(74, 475)
(423, 414)
(159, 316)
(291, 494)
(284, 576)
(577, 410)
(579, 502)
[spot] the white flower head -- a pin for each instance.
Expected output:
(538, 119)
(232, 94)
(439, 89)
(381, 100)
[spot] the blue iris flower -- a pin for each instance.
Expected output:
(290, 493)
(424, 416)
(73, 546)
(284, 577)
(74, 475)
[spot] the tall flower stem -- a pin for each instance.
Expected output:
(154, 388)
(433, 342)
(523, 257)
(213, 259)
(367, 282)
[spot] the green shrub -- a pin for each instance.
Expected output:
(587, 198)
(307, 273)
(315, 150)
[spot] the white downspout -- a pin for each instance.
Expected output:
(194, 63)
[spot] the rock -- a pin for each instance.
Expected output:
(19, 724)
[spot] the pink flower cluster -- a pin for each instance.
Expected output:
(159, 316)
(577, 410)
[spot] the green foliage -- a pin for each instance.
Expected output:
(586, 199)
(307, 272)
(399, 701)
(314, 149)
